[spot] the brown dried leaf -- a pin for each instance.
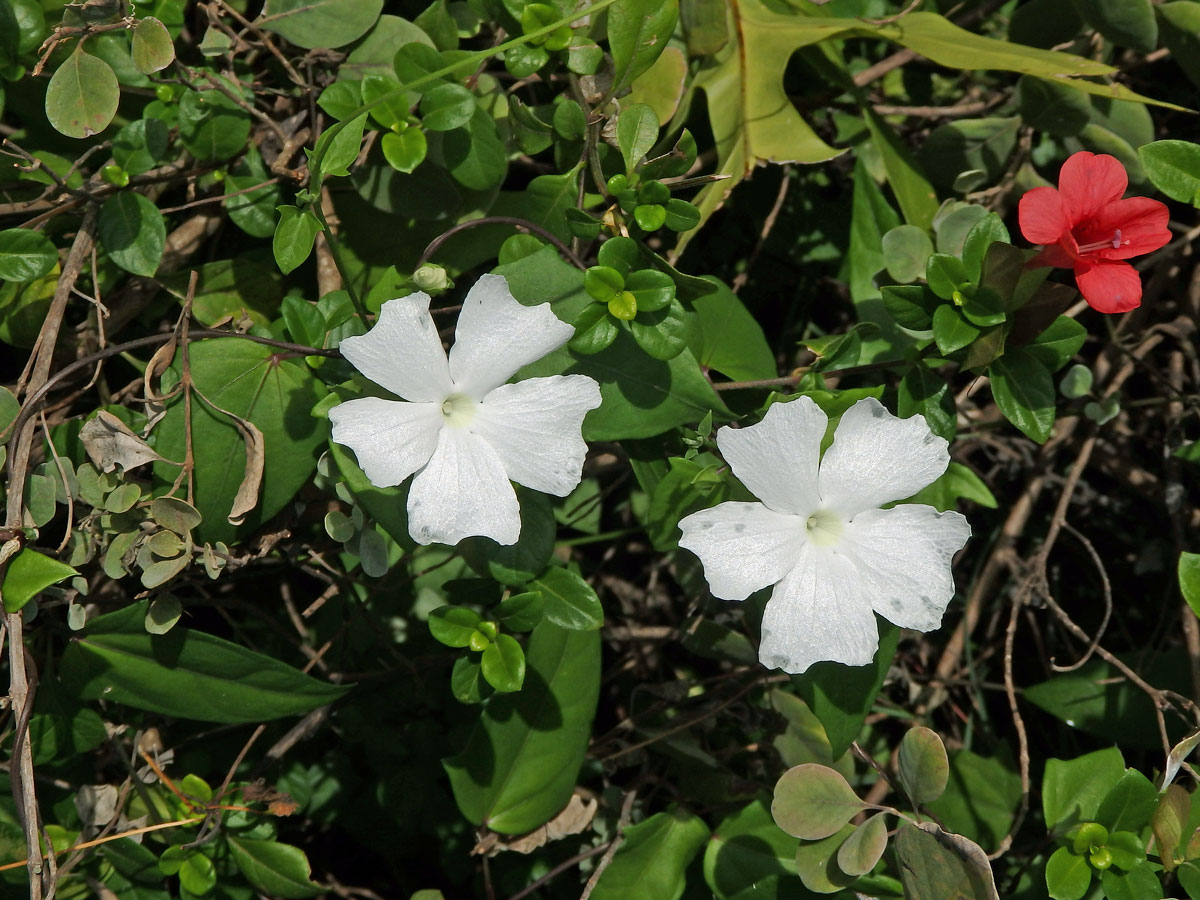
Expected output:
(576, 816)
(110, 443)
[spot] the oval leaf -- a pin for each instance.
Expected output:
(569, 601)
(860, 852)
(133, 232)
(813, 802)
(152, 49)
(25, 255)
(82, 96)
(924, 767)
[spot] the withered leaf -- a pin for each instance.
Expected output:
(110, 443)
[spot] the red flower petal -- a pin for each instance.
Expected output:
(1141, 221)
(1109, 286)
(1089, 182)
(1043, 216)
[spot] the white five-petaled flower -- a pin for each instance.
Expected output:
(819, 536)
(461, 428)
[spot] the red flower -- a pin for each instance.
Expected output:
(1085, 225)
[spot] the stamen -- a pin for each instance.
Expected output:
(1115, 242)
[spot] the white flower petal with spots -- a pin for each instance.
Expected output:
(468, 434)
(534, 427)
(744, 546)
(462, 492)
(834, 556)
(876, 458)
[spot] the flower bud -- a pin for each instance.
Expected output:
(431, 277)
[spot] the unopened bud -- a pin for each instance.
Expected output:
(431, 278)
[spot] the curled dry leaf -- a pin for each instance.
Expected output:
(110, 443)
(574, 818)
(156, 406)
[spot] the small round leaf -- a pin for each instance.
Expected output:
(813, 802)
(25, 255)
(152, 49)
(503, 664)
(82, 96)
(453, 625)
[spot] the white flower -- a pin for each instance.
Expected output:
(464, 431)
(820, 537)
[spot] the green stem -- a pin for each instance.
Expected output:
(597, 538)
(331, 241)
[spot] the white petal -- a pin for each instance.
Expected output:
(820, 611)
(402, 351)
(463, 492)
(904, 555)
(876, 458)
(744, 546)
(496, 335)
(777, 458)
(534, 427)
(391, 439)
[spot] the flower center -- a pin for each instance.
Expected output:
(824, 528)
(1115, 242)
(458, 410)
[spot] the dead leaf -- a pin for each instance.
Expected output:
(96, 805)
(110, 443)
(156, 406)
(576, 816)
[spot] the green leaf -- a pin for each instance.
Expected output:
(749, 854)
(82, 96)
(729, 339)
(453, 626)
(946, 275)
(637, 130)
(1073, 789)
(313, 24)
(152, 48)
(520, 562)
(1139, 883)
(474, 154)
(345, 146)
(950, 330)
(28, 574)
(520, 764)
(816, 863)
(520, 612)
(25, 255)
(813, 802)
(1055, 346)
(969, 145)
(652, 860)
(981, 798)
(663, 334)
(279, 870)
(295, 234)
(466, 681)
(1179, 28)
(1024, 391)
(1173, 167)
(569, 601)
(133, 232)
(935, 864)
(1130, 803)
(1189, 579)
(141, 145)
(1052, 107)
(446, 106)
(916, 196)
(925, 393)
(266, 388)
(983, 234)
(1129, 23)
(638, 31)
(863, 849)
(912, 306)
(211, 126)
(923, 765)
(253, 207)
(406, 150)
(841, 696)
(503, 664)
(906, 252)
(185, 673)
(688, 485)
(1068, 875)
